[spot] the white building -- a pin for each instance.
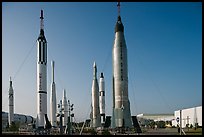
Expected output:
(188, 116)
(144, 119)
(21, 118)
(156, 117)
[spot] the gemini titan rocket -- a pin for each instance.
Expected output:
(121, 116)
(102, 98)
(53, 103)
(95, 114)
(41, 76)
(11, 104)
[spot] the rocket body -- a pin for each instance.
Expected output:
(121, 106)
(11, 104)
(102, 98)
(65, 107)
(53, 103)
(95, 100)
(41, 78)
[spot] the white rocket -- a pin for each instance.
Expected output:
(41, 76)
(95, 100)
(65, 107)
(121, 116)
(53, 103)
(102, 98)
(11, 104)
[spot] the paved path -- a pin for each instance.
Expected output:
(162, 131)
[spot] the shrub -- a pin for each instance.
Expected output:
(106, 132)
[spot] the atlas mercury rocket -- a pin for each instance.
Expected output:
(95, 114)
(53, 103)
(121, 115)
(41, 76)
(102, 98)
(11, 104)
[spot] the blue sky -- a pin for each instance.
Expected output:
(164, 42)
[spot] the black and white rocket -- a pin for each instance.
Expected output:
(121, 116)
(53, 103)
(102, 98)
(95, 117)
(11, 104)
(41, 76)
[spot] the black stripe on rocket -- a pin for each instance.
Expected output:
(42, 92)
(102, 93)
(39, 52)
(42, 53)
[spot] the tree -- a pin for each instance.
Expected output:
(14, 126)
(151, 123)
(160, 124)
(196, 126)
(169, 123)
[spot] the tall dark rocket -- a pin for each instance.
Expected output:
(11, 104)
(121, 115)
(41, 76)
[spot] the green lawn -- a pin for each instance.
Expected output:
(192, 131)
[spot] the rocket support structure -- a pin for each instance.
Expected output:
(95, 118)
(11, 104)
(41, 76)
(65, 107)
(121, 115)
(53, 103)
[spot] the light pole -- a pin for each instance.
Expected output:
(180, 122)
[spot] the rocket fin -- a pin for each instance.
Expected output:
(47, 123)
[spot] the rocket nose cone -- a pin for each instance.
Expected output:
(94, 65)
(64, 93)
(119, 25)
(41, 14)
(52, 63)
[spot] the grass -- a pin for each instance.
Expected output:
(192, 131)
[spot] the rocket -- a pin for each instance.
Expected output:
(102, 98)
(41, 76)
(53, 103)
(95, 100)
(121, 115)
(11, 104)
(65, 107)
